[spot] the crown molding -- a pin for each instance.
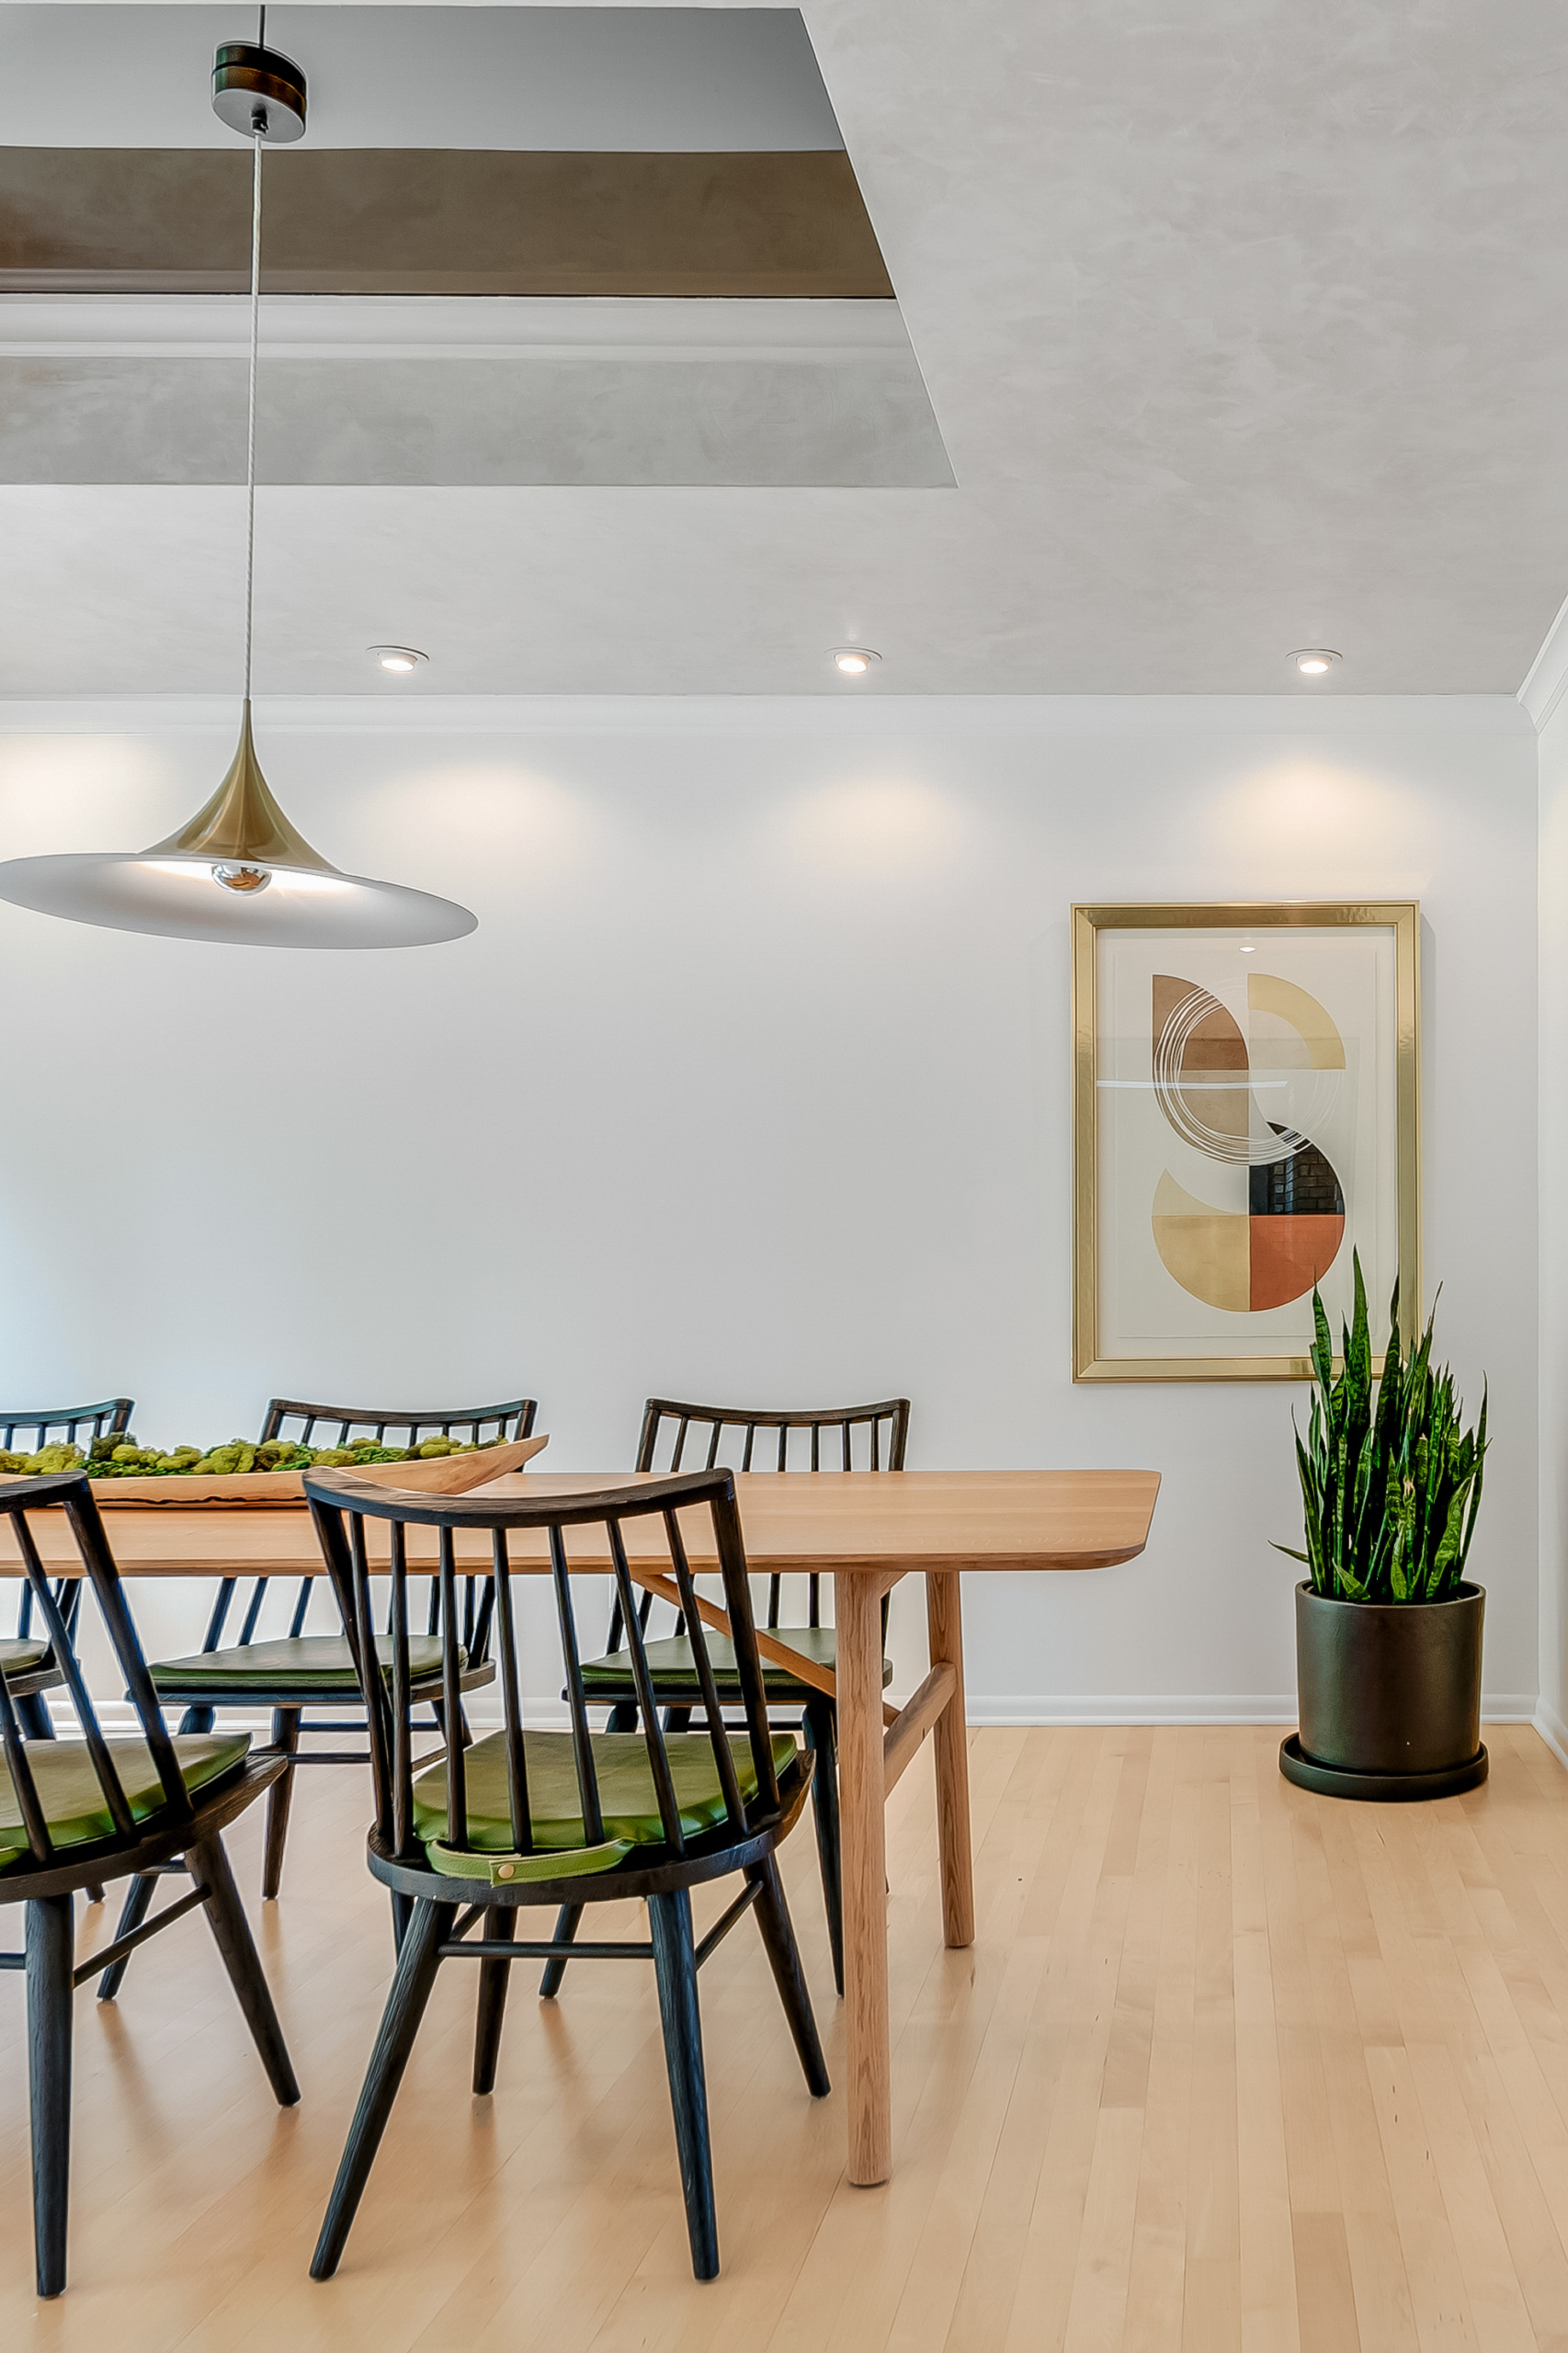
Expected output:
(1548, 674)
(845, 713)
(451, 327)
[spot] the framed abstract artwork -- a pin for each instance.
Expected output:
(1245, 1115)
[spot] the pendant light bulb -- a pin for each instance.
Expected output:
(239, 871)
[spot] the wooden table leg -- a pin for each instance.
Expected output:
(857, 1608)
(944, 1618)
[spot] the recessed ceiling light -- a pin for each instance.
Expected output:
(854, 661)
(1314, 661)
(399, 659)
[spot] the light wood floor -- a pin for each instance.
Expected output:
(1229, 2065)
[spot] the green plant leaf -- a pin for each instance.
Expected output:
(1447, 1552)
(1391, 1485)
(1358, 1349)
(1322, 1343)
(1480, 1474)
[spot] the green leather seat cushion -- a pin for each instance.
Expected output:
(19, 1655)
(321, 1660)
(673, 1668)
(74, 1805)
(627, 1799)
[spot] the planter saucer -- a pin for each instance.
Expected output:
(1332, 1781)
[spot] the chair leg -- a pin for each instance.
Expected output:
(784, 1959)
(231, 1932)
(401, 1914)
(286, 1736)
(416, 1967)
(623, 1716)
(567, 1925)
(197, 1719)
(677, 1719)
(675, 1965)
(132, 1912)
(49, 1942)
(822, 1736)
(500, 1927)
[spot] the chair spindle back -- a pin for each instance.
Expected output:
(61, 1426)
(65, 1425)
(71, 1492)
(473, 1424)
(843, 1438)
(522, 1531)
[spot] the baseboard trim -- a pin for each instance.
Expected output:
(1030, 1708)
(1196, 1708)
(1553, 1730)
(1509, 1708)
(984, 1711)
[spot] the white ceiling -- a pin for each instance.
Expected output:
(1243, 327)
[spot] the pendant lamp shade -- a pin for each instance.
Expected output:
(239, 872)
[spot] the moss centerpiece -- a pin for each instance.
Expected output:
(115, 1456)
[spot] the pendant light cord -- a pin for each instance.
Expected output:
(250, 419)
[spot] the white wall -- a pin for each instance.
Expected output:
(753, 1081)
(1554, 1099)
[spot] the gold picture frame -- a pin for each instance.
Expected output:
(1388, 1064)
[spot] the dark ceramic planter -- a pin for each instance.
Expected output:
(1390, 1696)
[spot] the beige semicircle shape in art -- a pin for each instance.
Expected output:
(1201, 1063)
(1266, 993)
(1207, 1251)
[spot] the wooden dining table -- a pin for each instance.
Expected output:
(868, 1531)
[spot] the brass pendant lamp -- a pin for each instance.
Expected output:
(239, 871)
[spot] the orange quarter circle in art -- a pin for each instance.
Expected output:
(1282, 1223)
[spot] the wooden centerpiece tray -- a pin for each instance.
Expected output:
(438, 1474)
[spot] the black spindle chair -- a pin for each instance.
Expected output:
(302, 1670)
(25, 1656)
(57, 1425)
(527, 1818)
(850, 1437)
(77, 1812)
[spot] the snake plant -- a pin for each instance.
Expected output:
(1390, 1483)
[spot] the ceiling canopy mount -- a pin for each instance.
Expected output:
(258, 91)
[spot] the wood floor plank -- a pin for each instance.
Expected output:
(1156, 2276)
(1078, 2005)
(982, 2310)
(1228, 2065)
(1212, 2318)
(1269, 2323)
